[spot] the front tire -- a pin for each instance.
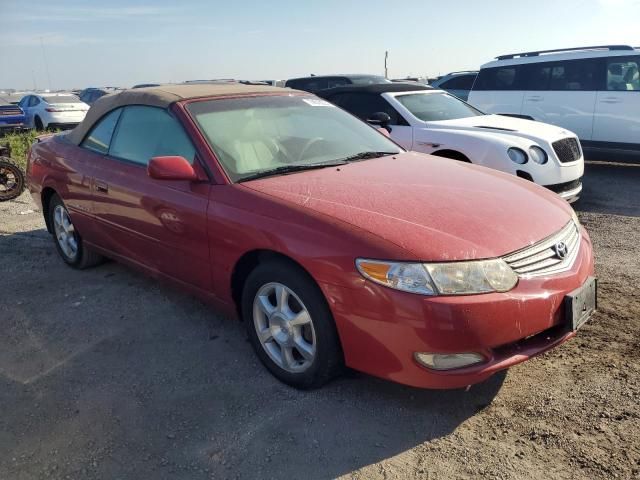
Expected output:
(67, 239)
(290, 325)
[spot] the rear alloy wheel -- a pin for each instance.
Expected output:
(11, 179)
(67, 239)
(290, 325)
(65, 233)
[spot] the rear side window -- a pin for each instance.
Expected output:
(623, 74)
(573, 75)
(59, 99)
(499, 78)
(337, 82)
(99, 137)
(146, 132)
(312, 84)
(459, 82)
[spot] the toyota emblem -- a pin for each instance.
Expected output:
(561, 249)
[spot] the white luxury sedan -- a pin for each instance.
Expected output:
(53, 110)
(432, 121)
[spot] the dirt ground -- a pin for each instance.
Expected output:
(105, 374)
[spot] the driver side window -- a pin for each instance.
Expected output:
(146, 132)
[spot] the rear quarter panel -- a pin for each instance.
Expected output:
(57, 165)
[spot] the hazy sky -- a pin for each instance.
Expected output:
(126, 42)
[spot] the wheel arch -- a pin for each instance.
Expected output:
(46, 195)
(452, 154)
(248, 262)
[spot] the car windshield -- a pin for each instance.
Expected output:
(258, 135)
(368, 80)
(53, 99)
(432, 107)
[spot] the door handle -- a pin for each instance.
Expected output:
(101, 186)
(611, 100)
(535, 98)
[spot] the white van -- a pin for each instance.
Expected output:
(592, 91)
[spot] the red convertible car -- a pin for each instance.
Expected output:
(335, 246)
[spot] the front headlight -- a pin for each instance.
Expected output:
(452, 278)
(538, 155)
(517, 155)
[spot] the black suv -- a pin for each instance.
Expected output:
(314, 83)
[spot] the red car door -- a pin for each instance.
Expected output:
(159, 224)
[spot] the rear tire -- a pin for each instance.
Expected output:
(290, 325)
(67, 239)
(12, 180)
(38, 124)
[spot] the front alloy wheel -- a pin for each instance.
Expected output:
(290, 325)
(284, 327)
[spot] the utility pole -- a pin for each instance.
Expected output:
(46, 64)
(386, 55)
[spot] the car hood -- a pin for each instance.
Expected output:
(435, 208)
(500, 125)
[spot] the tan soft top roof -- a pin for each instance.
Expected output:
(162, 97)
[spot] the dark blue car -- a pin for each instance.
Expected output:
(11, 117)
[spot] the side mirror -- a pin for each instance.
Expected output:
(171, 168)
(381, 119)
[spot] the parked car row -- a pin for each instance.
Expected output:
(428, 120)
(41, 110)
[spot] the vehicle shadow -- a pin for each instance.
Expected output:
(610, 188)
(105, 373)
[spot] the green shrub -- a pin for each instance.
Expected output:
(19, 144)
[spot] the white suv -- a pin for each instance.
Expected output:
(592, 91)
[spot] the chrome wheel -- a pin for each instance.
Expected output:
(284, 327)
(65, 232)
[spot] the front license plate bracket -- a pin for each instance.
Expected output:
(580, 304)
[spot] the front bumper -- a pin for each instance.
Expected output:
(570, 191)
(381, 329)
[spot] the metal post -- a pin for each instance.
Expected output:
(386, 55)
(46, 64)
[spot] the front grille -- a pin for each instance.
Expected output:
(543, 258)
(567, 149)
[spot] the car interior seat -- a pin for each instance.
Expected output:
(253, 149)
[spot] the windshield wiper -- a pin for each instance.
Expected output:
(290, 169)
(366, 155)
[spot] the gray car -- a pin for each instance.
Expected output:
(456, 83)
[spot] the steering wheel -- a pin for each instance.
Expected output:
(308, 145)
